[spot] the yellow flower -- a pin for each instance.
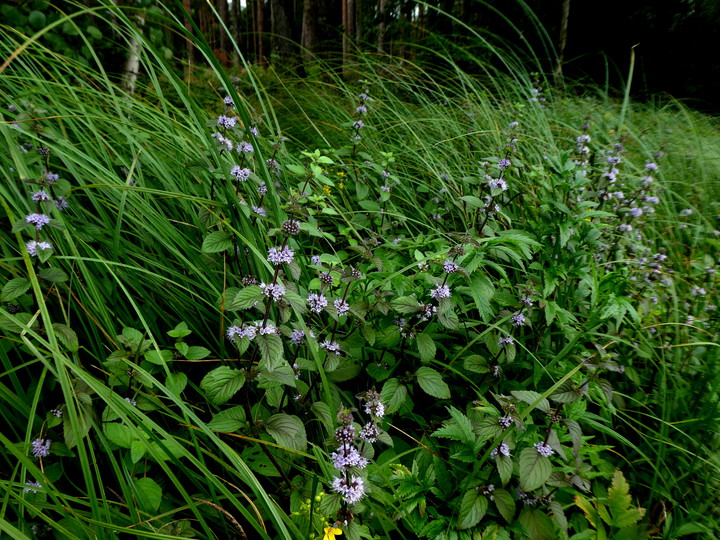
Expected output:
(327, 189)
(331, 532)
(341, 185)
(341, 174)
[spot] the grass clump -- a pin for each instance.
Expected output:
(409, 306)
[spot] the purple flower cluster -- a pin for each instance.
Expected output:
(281, 255)
(41, 447)
(544, 449)
(273, 291)
(442, 291)
(39, 220)
(317, 302)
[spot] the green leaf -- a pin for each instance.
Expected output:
(67, 336)
(505, 503)
(137, 450)
(216, 242)
(426, 347)
(476, 364)
(406, 305)
(222, 383)
(37, 19)
(288, 431)
(271, 349)
(534, 469)
(149, 494)
(94, 32)
(472, 509)
(229, 420)
(197, 353)
(393, 395)
(119, 434)
(619, 502)
(159, 357)
(449, 319)
(84, 420)
(297, 169)
(14, 288)
(538, 524)
(180, 331)
(530, 397)
(458, 428)
(54, 275)
(505, 468)
(176, 383)
(432, 383)
(245, 298)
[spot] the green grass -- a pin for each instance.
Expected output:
(147, 186)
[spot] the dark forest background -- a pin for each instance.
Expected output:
(675, 42)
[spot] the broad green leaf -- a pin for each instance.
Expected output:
(84, 421)
(505, 468)
(180, 331)
(449, 319)
(54, 275)
(426, 347)
(472, 509)
(288, 431)
(476, 364)
(619, 502)
(271, 349)
(245, 298)
(176, 383)
(14, 288)
(432, 383)
(559, 514)
(119, 434)
(222, 383)
(149, 494)
(158, 357)
(538, 524)
(197, 353)
(530, 397)
(216, 242)
(228, 420)
(505, 504)
(458, 428)
(406, 305)
(534, 469)
(137, 450)
(67, 336)
(393, 395)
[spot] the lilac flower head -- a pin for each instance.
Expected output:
(315, 259)
(254, 131)
(442, 291)
(385, 174)
(259, 210)
(32, 246)
(507, 340)
(353, 490)
(544, 449)
(375, 408)
(505, 421)
(686, 212)
(342, 307)
(345, 434)
(245, 148)
(497, 183)
(41, 447)
(369, 432)
(297, 337)
(51, 178)
(450, 267)
(614, 160)
(282, 255)
(503, 449)
(386, 189)
(39, 220)
(226, 121)
(331, 347)
(40, 196)
(504, 163)
(651, 166)
(241, 174)
(636, 212)
(361, 109)
(317, 302)
(364, 96)
(518, 319)
(61, 203)
(131, 401)
(348, 456)
(32, 487)
(358, 124)
(274, 292)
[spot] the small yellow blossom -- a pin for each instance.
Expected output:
(326, 189)
(331, 532)
(341, 174)
(341, 185)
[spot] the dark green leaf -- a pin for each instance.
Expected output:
(505, 504)
(229, 420)
(426, 347)
(245, 298)
(149, 494)
(216, 242)
(534, 469)
(288, 431)
(472, 509)
(393, 395)
(14, 288)
(432, 383)
(54, 275)
(222, 383)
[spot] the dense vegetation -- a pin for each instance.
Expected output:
(412, 304)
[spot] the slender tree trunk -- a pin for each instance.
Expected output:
(348, 22)
(308, 39)
(235, 32)
(260, 6)
(132, 64)
(222, 9)
(188, 42)
(382, 9)
(563, 41)
(281, 12)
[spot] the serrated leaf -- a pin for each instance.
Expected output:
(505, 468)
(228, 420)
(432, 383)
(619, 501)
(476, 364)
(449, 319)
(176, 382)
(119, 434)
(137, 450)
(393, 395)
(426, 347)
(222, 383)
(538, 524)
(406, 305)
(14, 288)
(67, 336)
(84, 420)
(149, 494)
(180, 331)
(245, 298)
(158, 357)
(559, 514)
(297, 169)
(458, 428)
(197, 353)
(288, 431)
(505, 504)
(472, 509)
(534, 469)
(530, 397)
(368, 332)
(322, 411)
(271, 349)
(54, 275)
(216, 242)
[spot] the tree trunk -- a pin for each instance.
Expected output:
(382, 9)
(348, 23)
(235, 32)
(222, 10)
(132, 64)
(562, 42)
(259, 20)
(188, 42)
(308, 39)
(281, 15)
